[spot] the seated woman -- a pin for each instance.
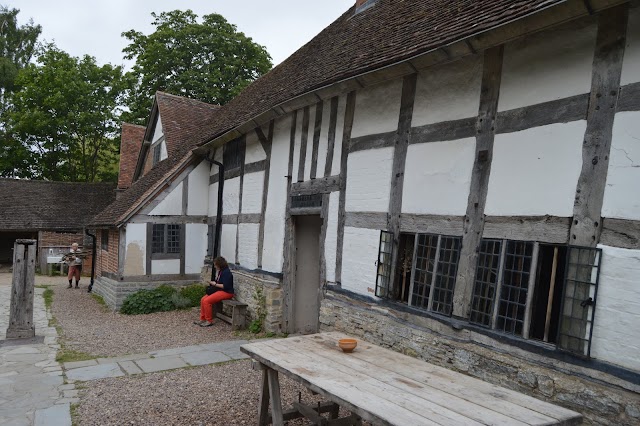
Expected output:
(224, 290)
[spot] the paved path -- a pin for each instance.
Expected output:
(37, 390)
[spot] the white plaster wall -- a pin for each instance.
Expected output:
(135, 262)
(272, 252)
(254, 150)
(535, 171)
(165, 266)
(360, 252)
(331, 241)
(163, 150)
(171, 205)
(622, 193)
(296, 146)
(310, 131)
(231, 196)
(252, 192)
(369, 180)
(377, 109)
(631, 62)
(228, 242)
(213, 199)
(217, 156)
(157, 131)
(549, 65)
(324, 138)
(198, 191)
(248, 245)
(337, 149)
(448, 92)
(196, 247)
(616, 327)
(438, 176)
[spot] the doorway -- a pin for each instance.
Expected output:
(306, 283)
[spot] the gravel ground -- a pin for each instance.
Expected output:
(92, 328)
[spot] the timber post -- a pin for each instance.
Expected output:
(22, 287)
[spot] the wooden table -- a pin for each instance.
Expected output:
(388, 388)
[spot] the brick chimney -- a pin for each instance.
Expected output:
(130, 143)
(362, 5)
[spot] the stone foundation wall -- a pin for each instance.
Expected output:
(261, 293)
(114, 292)
(602, 398)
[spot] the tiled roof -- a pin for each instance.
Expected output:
(56, 206)
(184, 121)
(130, 144)
(388, 32)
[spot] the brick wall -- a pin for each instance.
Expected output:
(55, 239)
(107, 260)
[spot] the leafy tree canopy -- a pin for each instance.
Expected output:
(210, 61)
(65, 117)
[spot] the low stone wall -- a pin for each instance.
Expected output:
(602, 398)
(262, 294)
(114, 292)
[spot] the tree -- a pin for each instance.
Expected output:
(65, 115)
(209, 61)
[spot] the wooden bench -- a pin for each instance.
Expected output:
(238, 313)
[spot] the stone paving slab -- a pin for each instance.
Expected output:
(161, 364)
(79, 364)
(204, 357)
(93, 372)
(132, 357)
(57, 415)
(175, 351)
(130, 367)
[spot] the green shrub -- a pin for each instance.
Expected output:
(179, 301)
(148, 301)
(194, 293)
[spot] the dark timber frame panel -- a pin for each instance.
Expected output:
(243, 151)
(331, 142)
(316, 140)
(266, 143)
(605, 89)
(474, 218)
(346, 142)
(287, 282)
(303, 143)
(403, 136)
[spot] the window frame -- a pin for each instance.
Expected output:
(156, 152)
(104, 242)
(165, 242)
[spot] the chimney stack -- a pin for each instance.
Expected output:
(130, 143)
(362, 5)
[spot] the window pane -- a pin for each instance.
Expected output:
(425, 265)
(446, 271)
(156, 153)
(173, 238)
(515, 285)
(384, 265)
(231, 156)
(484, 290)
(157, 242)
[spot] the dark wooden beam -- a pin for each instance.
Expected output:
(257, 166)
(149, 249)
(265, 191)
(474, 218)
(316, 140)
(375, 141)
(243, 153)
(287, 267)
(444, 131)
(621, 233)
(545, 229)
(303, 143)
(316, 186)
(605, 89)
(331, 143)
(629, 99)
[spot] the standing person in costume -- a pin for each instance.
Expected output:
(74, 260)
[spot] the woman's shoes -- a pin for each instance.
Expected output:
(206, 324)
(199, 322)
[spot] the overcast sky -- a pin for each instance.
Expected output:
(94, 26)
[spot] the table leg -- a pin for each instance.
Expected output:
(263, 411)
(276, 402)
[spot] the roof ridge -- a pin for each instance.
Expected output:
(190, 100)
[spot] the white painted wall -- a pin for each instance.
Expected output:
(171, 205)
(252, 192)
(163, 150)
(377, 109)
(369, 180)
(135, 262)
(549, 65)
(438, 176)
(331, 242)
(165, 266)
(217, 156)
(196, 247)
(296, 146)
(231, 196)
(324, 138)
(448, 92)
(310, 131)
(213, 199)
(616, 327)
(272, 252)
(248, 245)
(631, 62)
(157, 131)
(254, 152)
(198, 193)
(360, 252)
(535, 171)
(337, 150)
(228, 242)
(622, 193)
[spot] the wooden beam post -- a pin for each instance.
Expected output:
(586, 226)
(331, 142)
(303, 143)
(22, 286)
(401, 146)
(316, 139)
(243, 151)
(474, 219)
(266, 145)
(288, 266)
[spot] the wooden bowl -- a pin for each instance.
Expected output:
(347, 345)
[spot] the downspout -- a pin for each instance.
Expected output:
(93, 258)
(216, 240)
